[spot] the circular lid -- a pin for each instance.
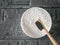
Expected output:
(30, 16)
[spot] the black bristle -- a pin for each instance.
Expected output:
(39, 25)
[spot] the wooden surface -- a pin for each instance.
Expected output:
(13, 35)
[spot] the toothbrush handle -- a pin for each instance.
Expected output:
(54, 42)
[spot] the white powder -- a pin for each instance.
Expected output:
(29, 18)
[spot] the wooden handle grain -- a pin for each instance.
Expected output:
(54, 42)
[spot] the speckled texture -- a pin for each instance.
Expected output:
(30, 16)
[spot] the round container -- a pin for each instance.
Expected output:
(28, 19)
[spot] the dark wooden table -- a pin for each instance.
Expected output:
(10, 16)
